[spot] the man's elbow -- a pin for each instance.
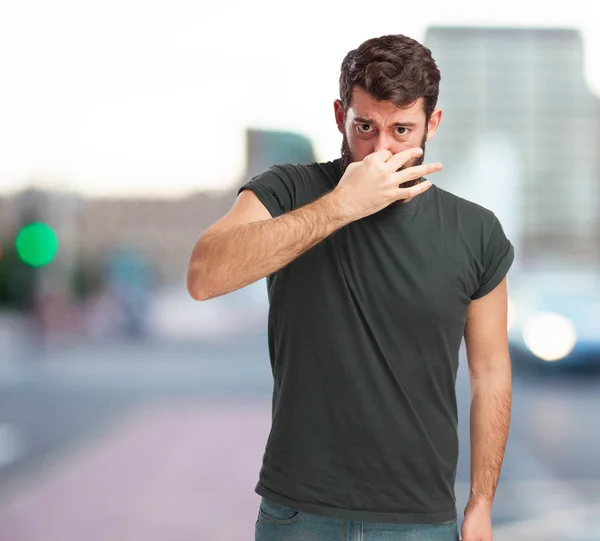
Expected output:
(496, 367)
(195, 288)
(198, 285)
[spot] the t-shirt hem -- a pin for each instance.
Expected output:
(357, 514)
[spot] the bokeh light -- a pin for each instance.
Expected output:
(36, 244)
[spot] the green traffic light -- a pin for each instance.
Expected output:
(36, 244)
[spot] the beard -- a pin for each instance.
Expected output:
(347, 159)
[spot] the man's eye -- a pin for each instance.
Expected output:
(361, 126)
(402, 131)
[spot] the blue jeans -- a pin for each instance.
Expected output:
(277, 522)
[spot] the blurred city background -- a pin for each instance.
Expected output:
(130, 412)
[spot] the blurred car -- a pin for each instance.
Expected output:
(554, 320)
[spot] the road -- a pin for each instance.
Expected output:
(97, 435)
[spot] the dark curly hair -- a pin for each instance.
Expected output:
(392, 68)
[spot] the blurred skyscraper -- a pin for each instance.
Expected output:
(520, 135)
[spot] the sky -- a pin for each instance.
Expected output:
(142, 98)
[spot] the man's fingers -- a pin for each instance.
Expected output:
(399, 159)
(382, 155)
(415, 172)
(409, 193)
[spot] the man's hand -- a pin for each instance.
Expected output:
(477, 525)
(374, 183)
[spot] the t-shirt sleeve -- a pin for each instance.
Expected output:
(274, 189)
(498, 256)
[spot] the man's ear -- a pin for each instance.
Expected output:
(340, 115)
(433, 123)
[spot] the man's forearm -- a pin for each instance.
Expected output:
(228, 260)
(491, 400)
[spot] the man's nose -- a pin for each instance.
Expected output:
(384, 142)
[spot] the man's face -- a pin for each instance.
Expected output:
(370, 125)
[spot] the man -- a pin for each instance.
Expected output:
(374, 276)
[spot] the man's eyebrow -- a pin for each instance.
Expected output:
(395, 124)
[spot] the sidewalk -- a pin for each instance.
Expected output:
(179, 472)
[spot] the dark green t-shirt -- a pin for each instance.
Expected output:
(364, 336)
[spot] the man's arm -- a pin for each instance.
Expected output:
(491, 399)
(247, 244)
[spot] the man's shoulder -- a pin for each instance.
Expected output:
(295, 185)
(303, 169)
(466, 207)
(310, 180)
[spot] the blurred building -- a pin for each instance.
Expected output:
(520, 134)
(268, 147)
(165, 231)
(8, 218)
(160, 231)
